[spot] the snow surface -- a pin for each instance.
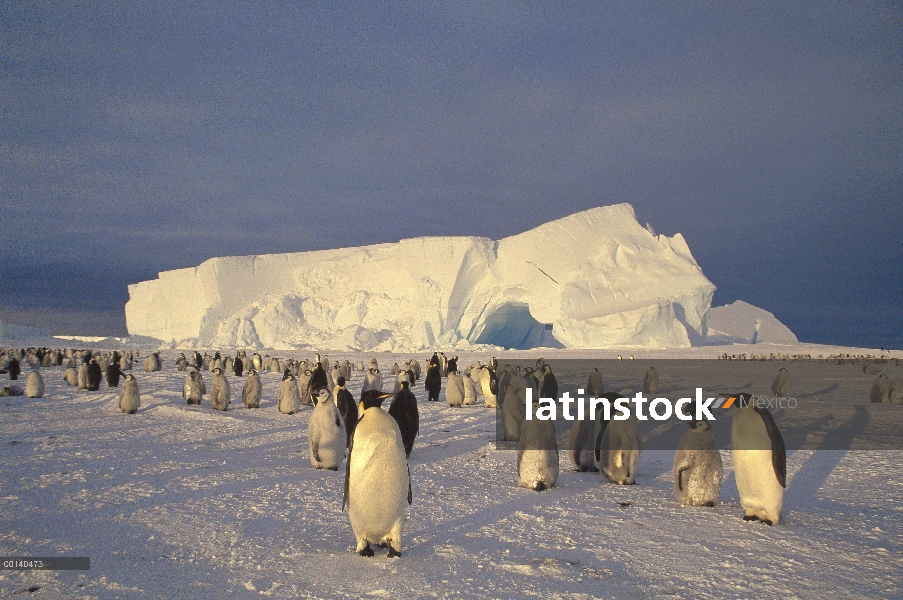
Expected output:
(597, 278)
(179, 502)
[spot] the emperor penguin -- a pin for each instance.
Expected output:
(113, 374)
(433, 382)
(289, 396)
(617, 445)
(193, 389)
(594, 386)
(581, 442)
(895, 394)
(454, 389)
(344, 401)
(470, 390)
(760, 462)
(71, 376)
(377, 478)
(93, 375)
(781, 383)
(326, 437)
(238, 366)
(125, 363)
(373, 380)
(880, 393)
(152, 363)
(697, 467)
(256, 362)
(650, 382)
(129, 398)
(489, 385)
(304, 386)
(537, 455)
(399, 378)
(869, 368)
(514, 412)
(220, 393)
(34, 385)
(405, 412)
(252, 391)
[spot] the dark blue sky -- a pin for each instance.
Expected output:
(140, 137)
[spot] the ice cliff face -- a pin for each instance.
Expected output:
(594, 279)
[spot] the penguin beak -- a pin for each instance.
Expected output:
(360, 407)
(386, 395)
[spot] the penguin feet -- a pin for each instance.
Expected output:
(751, 518)
(332, 468)
(767, 522)
(366, 551)
(709, 504)
(393, 553)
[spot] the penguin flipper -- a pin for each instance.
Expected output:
(597, 449)
(410, 493)
(348, 469)
(778, 451)
(680, 476)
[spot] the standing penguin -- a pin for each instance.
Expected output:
(454, 389)
(289, 397)
(129, 398)
(14, 369)
(252, 391)
(514, 412)
(326, 436)
(880, 393)
(344, 401)
(373, 380)
(220, 394)
(697, 467)
(113, 374)
(318, 380)
(433, 382)
(781, 383)
(650, 382)
(405, 412)
(34, 385)
(895, 393)
(594, 385)
(193, 389)
(93, 375)
(581, 445)
(238, 366)
(470, 390)
(377, 479)
(617, 446)
(489, 386)
(760, 462)
(70, 376)
(537, 455)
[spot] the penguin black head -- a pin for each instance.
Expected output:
(340, 381)
(372, 398)
(286, 375)
(405, 383)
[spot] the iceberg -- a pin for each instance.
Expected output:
(743, 323)
(594, 279)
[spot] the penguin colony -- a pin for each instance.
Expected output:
(378, 441)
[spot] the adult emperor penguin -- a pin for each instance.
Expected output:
(581, 443)
(489, 385)
(650, 382)
(344, 401)
(113, 374)
(193, 389)
(289, 397)
(594, 385)
(697, 467)
(238, 366)
(129, 398)
(781, 383)
(454, 389)
(433, 382)
(405, 412)
(220, 393)
(617, 446)
(326, 437)
(537, 455)
(377, 478)
(760, 462)
(93, 375)
(252, 390)
(34, 385)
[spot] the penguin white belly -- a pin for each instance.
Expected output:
(378, 484)
(761, 494)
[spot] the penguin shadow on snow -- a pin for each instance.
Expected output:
(806, 481)
(827, 390)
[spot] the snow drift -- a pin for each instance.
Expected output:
(594, 279)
